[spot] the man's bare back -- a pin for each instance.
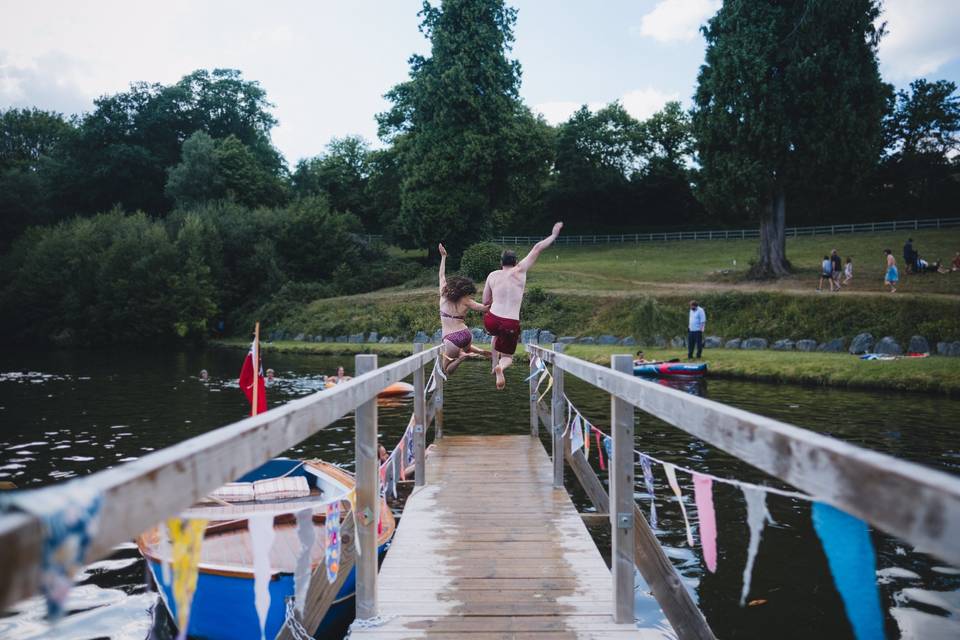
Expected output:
(504, 293)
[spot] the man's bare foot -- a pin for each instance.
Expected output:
(501, 380)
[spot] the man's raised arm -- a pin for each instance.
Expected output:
(538, 248)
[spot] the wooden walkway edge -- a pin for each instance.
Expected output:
(490, 549)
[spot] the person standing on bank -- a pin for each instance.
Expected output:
(698, 322)
(503, 293)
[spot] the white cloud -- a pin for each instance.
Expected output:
(640, 103)
(677, 20)
(643, 103)
(921, 37)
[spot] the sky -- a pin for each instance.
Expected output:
(326, 64)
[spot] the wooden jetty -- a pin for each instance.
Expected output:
(489, 548)
(489, 545)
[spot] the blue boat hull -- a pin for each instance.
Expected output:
(223, 605)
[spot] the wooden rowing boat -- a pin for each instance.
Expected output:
(223, 605)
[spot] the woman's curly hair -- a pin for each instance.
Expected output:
(457, 287)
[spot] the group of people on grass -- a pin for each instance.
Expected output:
(837, 275)
(833, 271)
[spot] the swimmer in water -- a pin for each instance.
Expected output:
(270, 376)
(204, 375)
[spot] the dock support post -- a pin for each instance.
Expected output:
(419, 423)
(621, 498)
(367, 509)
(558, 420)
(534, 419)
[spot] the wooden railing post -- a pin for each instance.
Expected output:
(621, 498)
(557, 420)
(419, 423)
(367, 512)
(534, 419)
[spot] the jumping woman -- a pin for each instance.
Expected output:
(455, 300)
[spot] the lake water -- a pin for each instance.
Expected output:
(69, 413)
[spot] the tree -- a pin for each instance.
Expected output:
(464, 159)
(216, 169)
(788, 106)
(341, 174)
(663, 184)
(596, 156)
(920, 136)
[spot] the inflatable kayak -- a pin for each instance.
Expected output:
(669, 369)
(392, 391)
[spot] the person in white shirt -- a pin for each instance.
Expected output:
(698, 322)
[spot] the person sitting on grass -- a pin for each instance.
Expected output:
(848, 271)
(455, 300)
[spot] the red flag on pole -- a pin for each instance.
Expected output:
(246, 384)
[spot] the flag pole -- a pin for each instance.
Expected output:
(256, 366)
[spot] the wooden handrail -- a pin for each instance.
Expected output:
(138, 494)
(910, 501)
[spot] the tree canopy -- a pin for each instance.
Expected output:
(788, 105)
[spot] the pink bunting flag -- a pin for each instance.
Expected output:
(671, 472)
(603, 467)
(703, 496)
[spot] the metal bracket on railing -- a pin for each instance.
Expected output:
(533, 397)
(559, 429)
(366, 516)
(418, 428)
(624, 520)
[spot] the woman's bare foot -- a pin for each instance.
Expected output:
(501, 380)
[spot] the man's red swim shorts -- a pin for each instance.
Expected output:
(506, 332)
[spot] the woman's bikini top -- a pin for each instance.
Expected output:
(444, 314)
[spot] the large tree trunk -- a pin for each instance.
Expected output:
(773, 261)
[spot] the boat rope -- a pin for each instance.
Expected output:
(361, 624)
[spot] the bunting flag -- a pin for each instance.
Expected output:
(703, 496)
(757, 517)
(846, 543)
(648, 482)
(576, 434)
(186, 538)
(401, 458)
(671, 472)
(545, 374)
(536, 367)
(596, 432)
(307, 535)
(587, 428)
(261, 540)
(332, 527)
(608, 445)
(70, 517)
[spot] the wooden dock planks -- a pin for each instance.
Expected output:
(489, 549)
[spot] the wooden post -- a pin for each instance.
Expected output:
(368, 503)
(438, 408)
(419, 422)
(621, 498)
(557, 420)
(534, 422)
(256, 367)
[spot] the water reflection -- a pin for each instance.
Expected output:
(65, 414)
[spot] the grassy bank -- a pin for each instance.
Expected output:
(932, 375)
(731, 314)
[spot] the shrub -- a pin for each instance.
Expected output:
(480, 259)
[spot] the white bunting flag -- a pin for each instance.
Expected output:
(757, 517)
(261, 539)
(671, 472)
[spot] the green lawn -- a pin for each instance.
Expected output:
(720, 264)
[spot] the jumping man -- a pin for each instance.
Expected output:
(504, 295)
